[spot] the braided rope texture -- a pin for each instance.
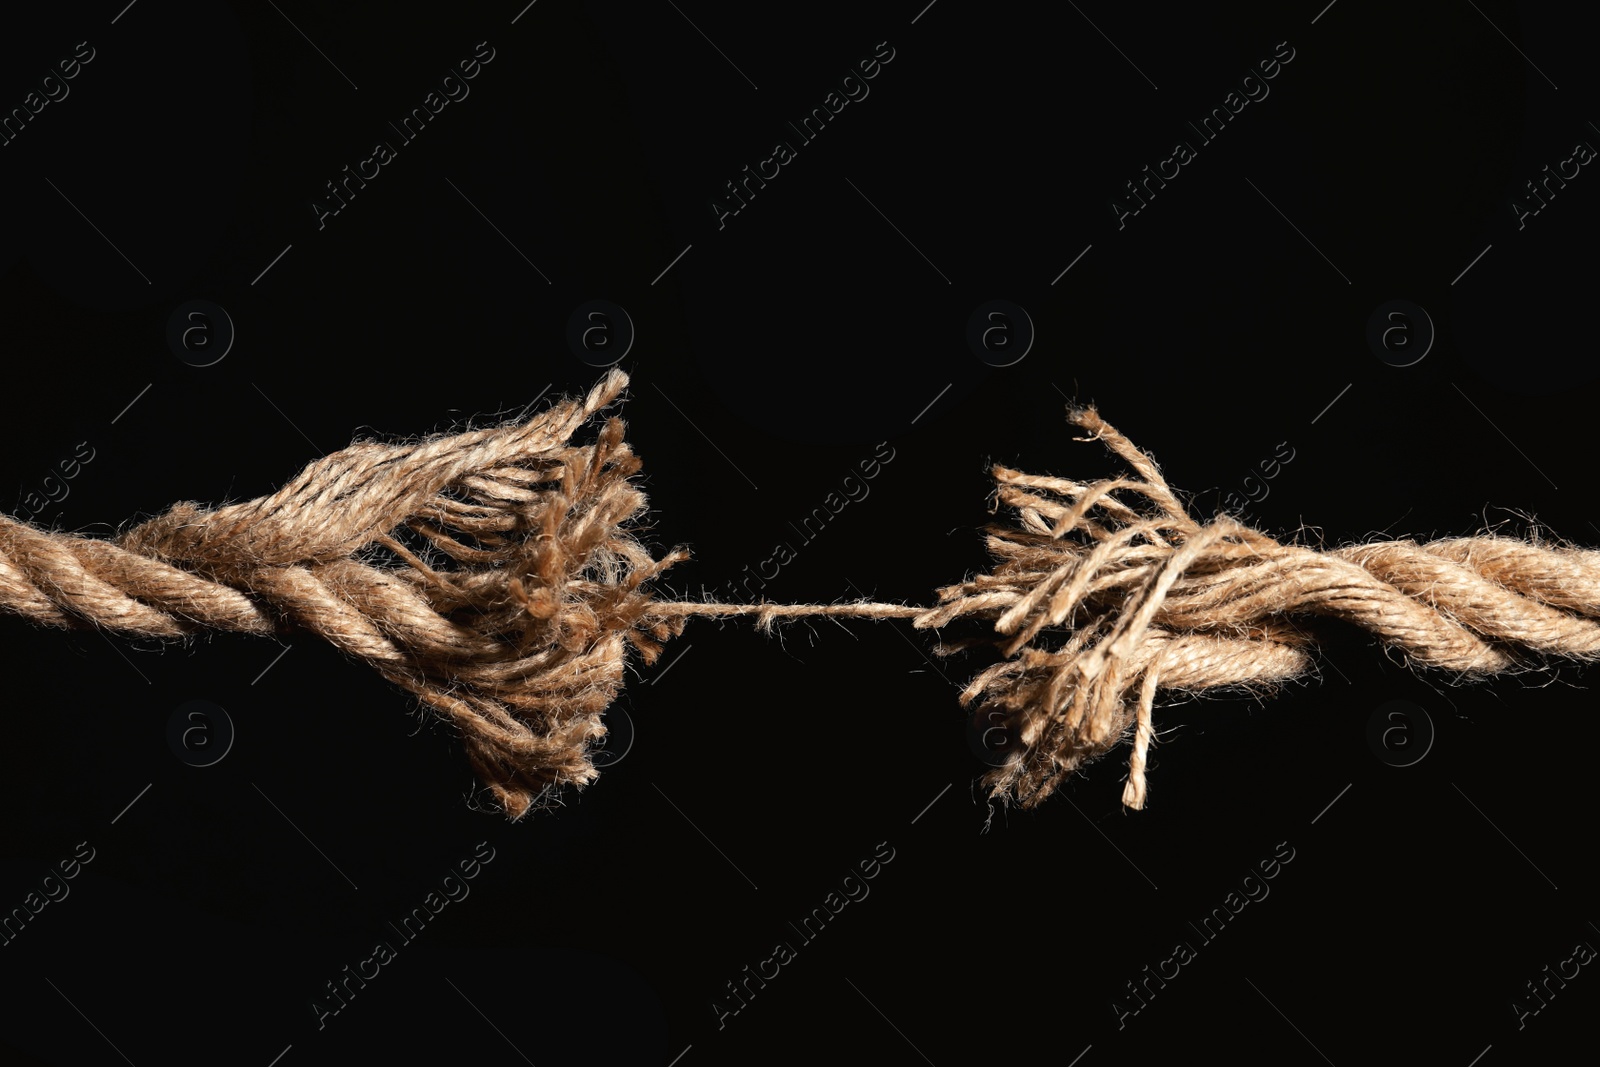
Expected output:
(509, 616)
(1098, 606)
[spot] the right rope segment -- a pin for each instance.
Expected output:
(1107, 593)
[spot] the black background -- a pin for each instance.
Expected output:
(1224, 320)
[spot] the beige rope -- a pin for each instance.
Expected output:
(509, 617)
(1149, 599)
(493, 574)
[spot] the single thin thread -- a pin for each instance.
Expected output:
(766, 614)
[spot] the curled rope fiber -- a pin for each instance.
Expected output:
(511, 612)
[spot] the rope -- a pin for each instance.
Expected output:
(494, 575)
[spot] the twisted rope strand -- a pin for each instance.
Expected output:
(513, 628)
(1176, 605)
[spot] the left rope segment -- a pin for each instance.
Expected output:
(492, 574)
